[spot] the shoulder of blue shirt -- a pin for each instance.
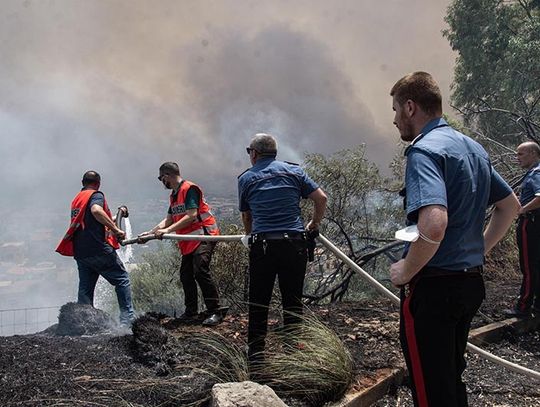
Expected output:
(286, 162)
(243, 172)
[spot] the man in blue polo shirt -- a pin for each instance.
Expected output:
(269, 199)
(528, 231)
(449, 183)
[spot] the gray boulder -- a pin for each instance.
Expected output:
(244, 394)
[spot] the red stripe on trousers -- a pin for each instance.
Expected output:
(527, 274)
(417, 374)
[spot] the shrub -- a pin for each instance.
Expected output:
(155, 284)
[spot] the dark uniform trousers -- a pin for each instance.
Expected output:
(436, 315)
(195, 269)
(528, 239)
(287, 260)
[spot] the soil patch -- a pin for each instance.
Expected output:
(488, 384)
(162, 363)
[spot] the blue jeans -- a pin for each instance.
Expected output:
(110, 267)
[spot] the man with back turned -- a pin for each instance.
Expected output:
(92, 240)
(269, 201)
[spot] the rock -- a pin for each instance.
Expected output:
(244, 394)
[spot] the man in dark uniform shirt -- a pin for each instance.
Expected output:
(449, 183)
(528, 231)
(269, 200)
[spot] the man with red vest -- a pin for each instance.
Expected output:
(92, 240)
(189, 214)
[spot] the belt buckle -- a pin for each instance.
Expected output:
(407, 290)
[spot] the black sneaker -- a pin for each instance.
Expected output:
(516, 313)
(213, 320)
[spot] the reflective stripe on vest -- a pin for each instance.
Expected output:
(205, 224)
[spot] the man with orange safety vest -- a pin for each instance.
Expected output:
(189, 214)
(92, 240)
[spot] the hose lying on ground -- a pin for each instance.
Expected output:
(378, 286)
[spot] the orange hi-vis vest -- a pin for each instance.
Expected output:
(78, 209)
(205, 224)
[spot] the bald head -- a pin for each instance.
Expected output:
(530, 146)
(528, 154)
(91, 178)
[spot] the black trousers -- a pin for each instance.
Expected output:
(287, 260)
(436, 316)
(528, 240)
(195, 269)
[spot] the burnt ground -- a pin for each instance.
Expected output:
(162, 363)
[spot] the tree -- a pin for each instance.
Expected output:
(497, 72)
(363, 212)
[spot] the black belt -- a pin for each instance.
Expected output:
(259, 237)
(435, 271)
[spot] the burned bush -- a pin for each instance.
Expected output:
(83, 319)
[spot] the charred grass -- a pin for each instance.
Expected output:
(162, 363)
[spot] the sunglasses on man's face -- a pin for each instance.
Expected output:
(249, 150)
(160, 178)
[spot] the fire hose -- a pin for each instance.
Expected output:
(355, 267)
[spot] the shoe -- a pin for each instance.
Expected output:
(188, 318)
(516, 313)
(213, 320)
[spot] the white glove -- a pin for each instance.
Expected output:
(245, 240)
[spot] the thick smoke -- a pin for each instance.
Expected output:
(281, 81)
(121, 86)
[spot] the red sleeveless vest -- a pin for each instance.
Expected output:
(78, 209)
(205, 225)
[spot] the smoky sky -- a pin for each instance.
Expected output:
(121, 86)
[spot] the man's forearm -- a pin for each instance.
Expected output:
(504, 213)
(101, 216)
(161, 225)
(319, 206)
(318, 211)
(432, 222)
(420, 253)
(531, 206)
(182, 223)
